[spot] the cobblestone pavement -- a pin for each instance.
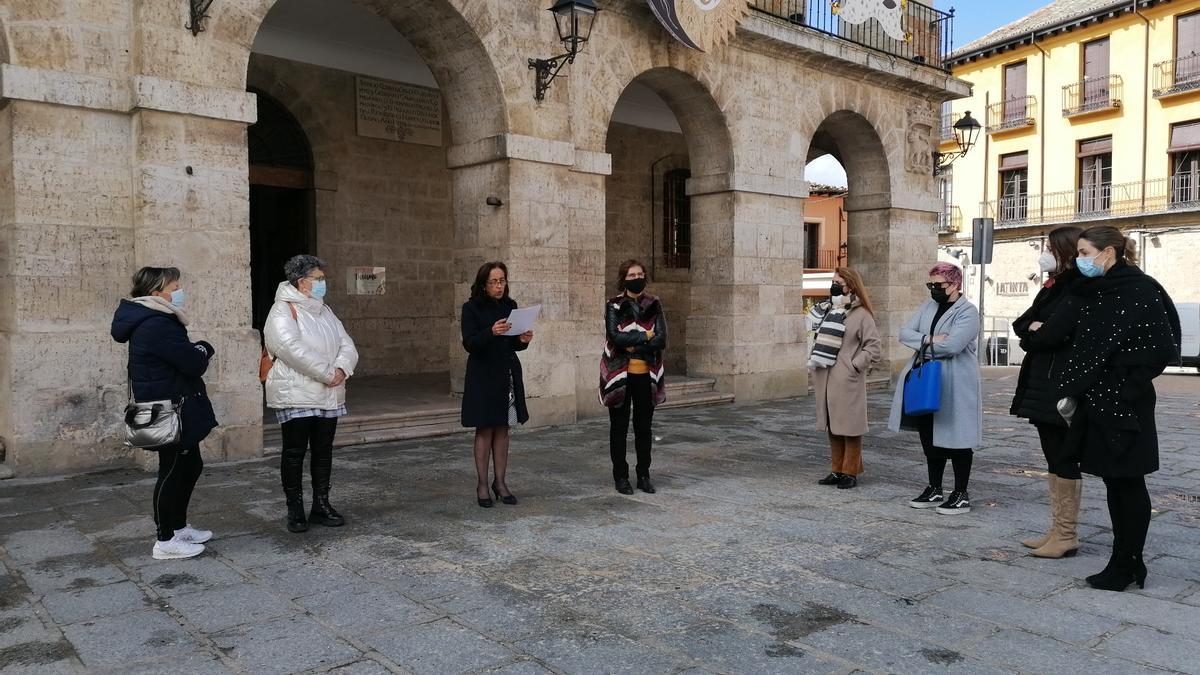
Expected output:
(740, 563)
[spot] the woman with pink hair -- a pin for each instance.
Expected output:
(945, 328)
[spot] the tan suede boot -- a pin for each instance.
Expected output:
(1041, 541)
(1063, 540)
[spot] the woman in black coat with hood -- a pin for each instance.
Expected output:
(1035, 397)
(1127, 332)
(493, 391)
(165, 364)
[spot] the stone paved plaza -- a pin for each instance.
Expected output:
(740, 563)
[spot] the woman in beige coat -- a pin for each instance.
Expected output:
(845, 348)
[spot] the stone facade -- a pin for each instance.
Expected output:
(123, 143)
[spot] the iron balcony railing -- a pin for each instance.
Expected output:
(1177, 76)
(1092, 94)
(825, 259)
(1017, 112)
(948, 121)
(1097, 202)
(950, 221)
(928, 32)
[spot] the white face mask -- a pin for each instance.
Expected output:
(1047, 263)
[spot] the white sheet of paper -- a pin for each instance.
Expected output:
(522, 319)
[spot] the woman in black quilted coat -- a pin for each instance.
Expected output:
(1035, 399)
(1127, 333)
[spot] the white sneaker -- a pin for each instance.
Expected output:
(193, 536)
(176, 550)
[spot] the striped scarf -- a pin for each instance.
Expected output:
(830, 319)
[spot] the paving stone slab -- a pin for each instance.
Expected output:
(441, 646)
(129, 638)
(73, 606)
(1038, 617)
(365, 609)
(285, 645)
(216, 609)
(1155, 647)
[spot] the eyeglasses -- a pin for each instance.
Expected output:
(320, 278)
(943, 285)
(497, 282)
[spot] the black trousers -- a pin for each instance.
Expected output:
(936, 456)
(1129, 509)
(1054, 447)
(178, 471)
(300, 436)
(638, 393)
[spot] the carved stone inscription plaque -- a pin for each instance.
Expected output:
(397, 111)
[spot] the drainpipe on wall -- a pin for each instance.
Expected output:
(1041, 135)
(1145, 100)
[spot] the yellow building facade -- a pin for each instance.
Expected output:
(1091, 116)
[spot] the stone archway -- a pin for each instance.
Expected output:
(891, 247)
(664, 132)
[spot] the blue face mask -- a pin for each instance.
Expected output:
(318, 289)
(1088, 267)
(177, 298)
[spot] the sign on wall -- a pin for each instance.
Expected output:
(700, 24)
(397, 111)
(1013, 288)
(366, 280)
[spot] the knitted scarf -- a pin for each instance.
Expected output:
(830, 319)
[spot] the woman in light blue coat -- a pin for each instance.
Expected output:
(946, 326)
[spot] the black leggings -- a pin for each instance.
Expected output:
(935, 457)
(178, 471)
(1054, 447)
(638, 392)
(1129, 509)
(299, 436)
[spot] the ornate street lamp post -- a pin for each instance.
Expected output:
(966, 131)
(574, 19)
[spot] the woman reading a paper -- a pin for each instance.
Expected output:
(631, 371)
(494, 393)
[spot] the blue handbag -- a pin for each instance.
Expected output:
(923, 385)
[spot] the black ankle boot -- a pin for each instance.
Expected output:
(296, 522)
(323, 512)
(1128, 569)
(644, 484)
(623, 486)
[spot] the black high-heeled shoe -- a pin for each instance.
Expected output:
(1127, 570)
(486, 503)
(507, 499)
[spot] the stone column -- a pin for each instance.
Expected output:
(530, 232)
(893, 248)
(746, 327)
(191, 210)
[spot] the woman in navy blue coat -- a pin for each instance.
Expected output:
(493, 391)
(164, 364)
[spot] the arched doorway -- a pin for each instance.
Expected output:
(665, 131)
(281, 199)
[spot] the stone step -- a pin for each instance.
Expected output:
(682, 392)
(359, 429)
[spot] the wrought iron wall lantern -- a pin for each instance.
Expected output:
(199, 13)
(966, 131)
(574, 19)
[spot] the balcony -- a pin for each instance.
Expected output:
(950, 221)
(1177, 76)
(1180, 193)
(824, 259)
(929, 31)
(1015, 113)
(947, 133)
(1093, 95)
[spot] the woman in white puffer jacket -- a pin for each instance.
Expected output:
(313, 357)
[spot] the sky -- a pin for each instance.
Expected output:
(972, 19)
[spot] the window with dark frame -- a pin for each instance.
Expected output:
(812, 245)
(1014, 187)
(1184, 153)
(1095, 175)
(947, 191)
(1015, 92)
(1095, 74)
(677, 219)
(1187, 48)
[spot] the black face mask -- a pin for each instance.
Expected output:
(939, 294)
(635, 286)
(837, 289)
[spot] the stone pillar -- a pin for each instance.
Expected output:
(893, 248)
(191, 210)
(746, 327)
(530, 232)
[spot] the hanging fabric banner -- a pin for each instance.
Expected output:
(889, 14)
(700, 24)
